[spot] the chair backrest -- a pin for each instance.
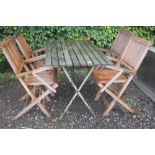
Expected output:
(23, 45)
(121, 42)
(135, 52)
(12, 54)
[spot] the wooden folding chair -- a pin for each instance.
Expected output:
(31, 79)
(109, 78)
(119, 46)
(28, 53)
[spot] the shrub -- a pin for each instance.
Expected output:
(103, 36)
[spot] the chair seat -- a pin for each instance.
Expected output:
(104, 76)
(39, 63)
(49, 76)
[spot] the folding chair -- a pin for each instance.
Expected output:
(28, 53)
(31, 79)
(119, 46)
(109, 77)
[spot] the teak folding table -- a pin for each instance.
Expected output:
(75, 54)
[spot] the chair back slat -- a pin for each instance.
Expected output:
(122, 40)
(135, 52)
(12, 54)
(24, 47)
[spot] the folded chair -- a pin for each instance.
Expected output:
(110, 77)
(119, 46)
(43, 78)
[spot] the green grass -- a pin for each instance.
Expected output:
(6, 76)
(132, 101)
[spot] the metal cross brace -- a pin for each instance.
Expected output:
(77, 92)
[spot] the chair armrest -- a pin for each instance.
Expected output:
(37, 58)
(129, 71)
(114, 59)
(41, 69)
(118, 68)
(38, 50)
(106, 50)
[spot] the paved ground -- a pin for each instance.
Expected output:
(77, 116)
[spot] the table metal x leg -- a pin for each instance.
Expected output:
(77, 92)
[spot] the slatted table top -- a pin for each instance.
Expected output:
(74, 53)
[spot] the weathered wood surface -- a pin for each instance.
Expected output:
(74, 53)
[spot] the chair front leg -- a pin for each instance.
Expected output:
(116, 98)
(41, 105)
(113, 103)
(109, 108)
(34, 102)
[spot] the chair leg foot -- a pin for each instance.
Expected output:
(43, 109)
(105, 101)
(97, 96)
(52, 94)
(91, 82)
(110, 107)
(24, 97)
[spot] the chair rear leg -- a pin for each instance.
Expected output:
(24, 97)
(42, 90)
(97, 95)
(92, 82)
(52, 94)
(105, 101)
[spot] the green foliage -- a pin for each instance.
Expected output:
(103, 36)
(6, 76)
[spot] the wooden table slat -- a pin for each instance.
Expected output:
(95, 53)
(54, 55)
(78, 54)
(48, 55)
(72, 53)
(60, 54)
(73, 56)
(66, 54)
(93, 58)
(101, 54)
(84, 53)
